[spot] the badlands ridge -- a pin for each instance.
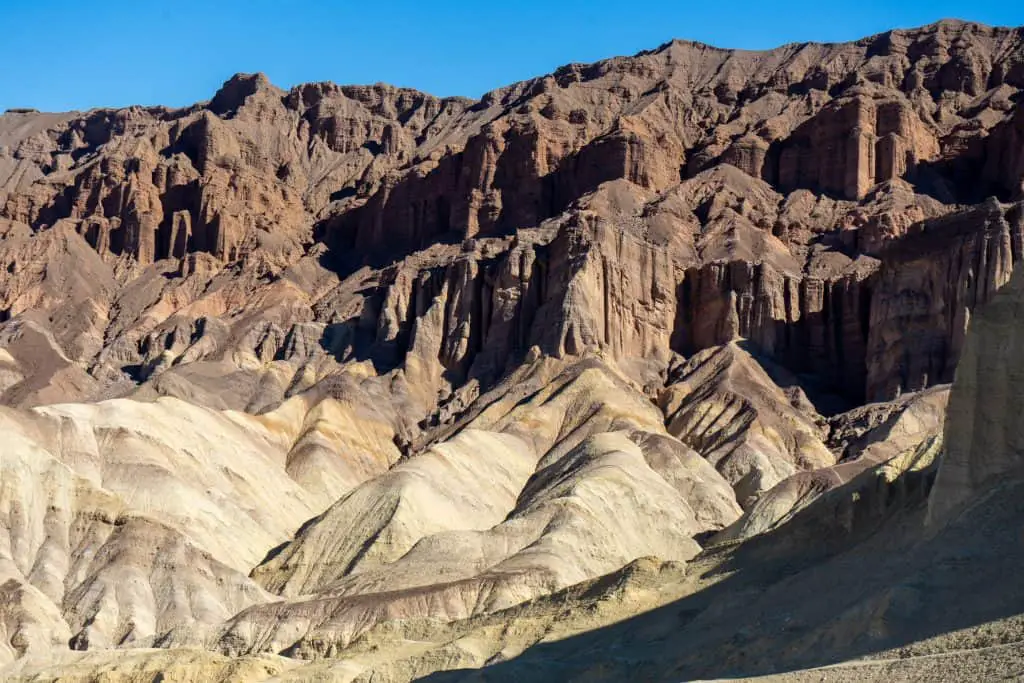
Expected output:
(695, 364)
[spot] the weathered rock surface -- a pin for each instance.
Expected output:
(901, 436)
(125, 520)
(401, 385)
(805, 170)
(562, 486)
(983, 430)
(724, 405)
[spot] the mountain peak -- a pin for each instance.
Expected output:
(236, 90)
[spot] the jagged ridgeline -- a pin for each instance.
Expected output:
(402, 384)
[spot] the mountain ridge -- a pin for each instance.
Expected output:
(949, 22)
(359, 383)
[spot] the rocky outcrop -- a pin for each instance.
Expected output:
(722, 404)
(811, 325)
(982, 429)
(518, 503)
(854, 142)
(851, 145)
(896, 439)
(255, 165)
(114, 479)
(927, 287)
(398, 383)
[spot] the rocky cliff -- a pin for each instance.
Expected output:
(779, 196)
(296, 374)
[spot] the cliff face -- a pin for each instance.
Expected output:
(983, 429)
(681, 198)
(155, 184)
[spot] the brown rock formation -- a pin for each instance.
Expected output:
(984, 426)
(353, 366)
(260, 176)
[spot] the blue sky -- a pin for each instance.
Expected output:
(63, 54)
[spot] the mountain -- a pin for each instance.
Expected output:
(638, 368)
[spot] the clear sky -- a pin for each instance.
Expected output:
(77, 54)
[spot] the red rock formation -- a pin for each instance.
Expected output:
(639, 207)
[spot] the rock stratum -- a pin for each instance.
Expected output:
(640, 368)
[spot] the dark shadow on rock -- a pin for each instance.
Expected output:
(824, 399)
(843, 580)
(828, 341)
